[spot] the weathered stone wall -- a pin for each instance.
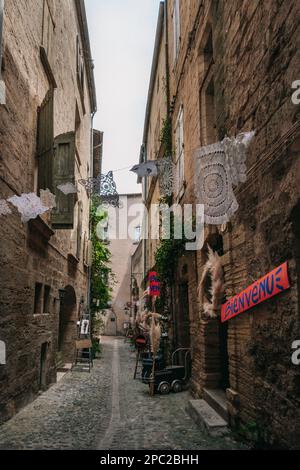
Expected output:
(26, 257)
(256, 58)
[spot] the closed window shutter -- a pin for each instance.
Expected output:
(64, 172)
(45, 143)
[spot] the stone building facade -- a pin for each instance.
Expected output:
(45, 141)
(230, 69)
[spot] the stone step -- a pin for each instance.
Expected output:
(216, 398)
(207, 418)
(64, 367)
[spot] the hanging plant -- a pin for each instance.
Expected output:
(166, 136)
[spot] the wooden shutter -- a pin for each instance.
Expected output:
(45, 143)
(64, 172)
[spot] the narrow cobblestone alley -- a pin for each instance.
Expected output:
(107, 410)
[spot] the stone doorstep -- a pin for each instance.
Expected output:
(207, 418)
(216, 398)
(64, 368)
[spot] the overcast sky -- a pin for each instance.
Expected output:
(122, 34)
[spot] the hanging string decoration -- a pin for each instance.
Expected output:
(91, 185)
(167, 176)
(164, 168)
(103, 187)
(47, 198)
(67, 188)
(148, 168)
(108, 190)
(219, 167)
(29, 205)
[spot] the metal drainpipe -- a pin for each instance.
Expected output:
(90, 222)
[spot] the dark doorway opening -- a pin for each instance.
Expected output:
(67, 329)
(224, 359)
(183, 318)
(43, 367)
(215, 241)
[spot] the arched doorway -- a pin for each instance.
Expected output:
(67, 331)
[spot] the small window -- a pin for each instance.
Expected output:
(45, 142)
(79, 64)
(176, 28)
(137, 234)
(38, 297)
(47, 290)
(209, 130)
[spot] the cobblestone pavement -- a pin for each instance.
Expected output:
(107, 410)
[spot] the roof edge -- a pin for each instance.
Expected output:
(83, 25)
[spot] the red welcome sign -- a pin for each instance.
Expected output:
(154, 284)
(272, 284)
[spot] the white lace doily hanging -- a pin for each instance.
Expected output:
(67, 188)
(47, 198)
(219, 167)
(167, 176)
(29, 205)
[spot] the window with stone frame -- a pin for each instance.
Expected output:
(38, 290)
(179, 153)
(55, 164)
(176, 28)
(208, 112)
(46, 303)
(208, 124)
(2, 84)
(137, 234)
(45, 139)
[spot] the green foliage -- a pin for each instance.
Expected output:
(96, 347)
(101, 271)
(166, 136)
(166, 258)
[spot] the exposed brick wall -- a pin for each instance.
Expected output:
(256, 59)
